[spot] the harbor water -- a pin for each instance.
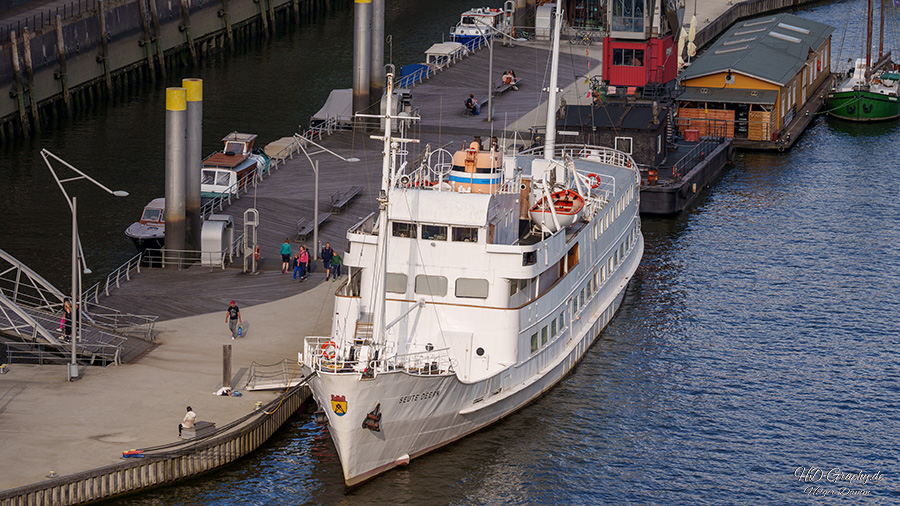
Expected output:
(753, 361)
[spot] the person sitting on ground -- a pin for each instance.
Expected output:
(472, 104)
(189, 419)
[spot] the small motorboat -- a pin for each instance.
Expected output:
(478, 23)
(150, 231)
(227, 171)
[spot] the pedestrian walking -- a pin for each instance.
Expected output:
(285, 255)
(233, 319)
(327, 255)
(190, 418)
(295, 262)
(336, 263)
(304, 263)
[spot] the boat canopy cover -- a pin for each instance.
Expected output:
(339, 105)
(728, 95)
(445, 49)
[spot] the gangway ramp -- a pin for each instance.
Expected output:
(276, 376)
(31, 311)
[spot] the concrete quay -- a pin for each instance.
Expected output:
(69, 428)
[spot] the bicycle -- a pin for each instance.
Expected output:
(582, 37)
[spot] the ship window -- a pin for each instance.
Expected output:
(208, 177)
(434, 232)
(553, 328)
(395, 283)
(513, 287)
(581, 299)
(472, 288)
(562, 320)
(465, 234)
(603, 274)
(404, 230)
(543, 336)
(534, 342)
(234, 147)
(222, 177)
(529, 258)
(152, 215)
(623, 144)
(590, 287)
(431, 285)
(627, 15)
(628, 57)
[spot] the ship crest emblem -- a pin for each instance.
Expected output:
(339, 405)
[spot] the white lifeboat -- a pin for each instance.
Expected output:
(567, 206)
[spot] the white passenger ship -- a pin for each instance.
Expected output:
(469, 295)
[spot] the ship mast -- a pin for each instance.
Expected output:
(550, 136)
(869, 39)
(387, 172)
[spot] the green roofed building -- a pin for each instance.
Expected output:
(752, 81)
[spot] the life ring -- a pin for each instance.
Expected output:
(593, 180)
(256, 254)
(329, 350)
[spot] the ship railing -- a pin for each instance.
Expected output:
(424, 363)
(184, 258)
(598, 154)
(365, 226)
(322, 353)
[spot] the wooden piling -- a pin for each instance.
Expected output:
(160, 57)
(63, 70)
(186, 28)
(146, 40)
(104, 48)
(272, 25)
(226, 19)
(29, 73)
(19, 87)
(264, 17)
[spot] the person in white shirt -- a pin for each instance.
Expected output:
(189, 418)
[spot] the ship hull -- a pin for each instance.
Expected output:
(863, 106)
(421, 413)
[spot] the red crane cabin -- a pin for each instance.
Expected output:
(638, 62)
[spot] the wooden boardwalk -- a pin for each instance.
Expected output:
(287, 194)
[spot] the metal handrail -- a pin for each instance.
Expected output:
(38, 20)
(133, 264)
(182, 258)
(233, 191)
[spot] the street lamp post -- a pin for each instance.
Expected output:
(72, 371)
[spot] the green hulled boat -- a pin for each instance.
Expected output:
(870, 91)
(858, 100)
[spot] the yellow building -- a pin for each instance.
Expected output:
(755, 78)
